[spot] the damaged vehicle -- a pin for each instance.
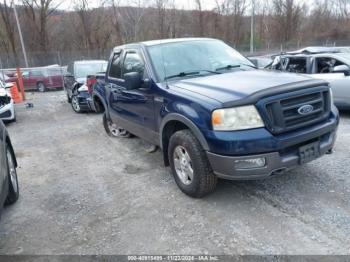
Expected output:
(77, 85)
(7, 108)
(333, 67)
(214, 114)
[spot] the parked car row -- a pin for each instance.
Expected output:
(210, 110)
(40, 79)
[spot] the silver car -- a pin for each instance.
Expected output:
(332, 67)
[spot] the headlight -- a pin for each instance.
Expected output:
(238, 118)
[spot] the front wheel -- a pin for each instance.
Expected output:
(190, 166)
(13, 193)
(75, 104)
(113, 130)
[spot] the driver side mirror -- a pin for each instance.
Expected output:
(342, 69)
(133, 80)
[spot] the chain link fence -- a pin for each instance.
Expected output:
(47, 69)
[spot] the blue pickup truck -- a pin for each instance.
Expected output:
(213, 114)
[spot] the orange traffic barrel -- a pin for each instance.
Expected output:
(16, 96)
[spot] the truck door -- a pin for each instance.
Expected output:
(133, 109)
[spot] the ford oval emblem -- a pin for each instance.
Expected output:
(305, 109)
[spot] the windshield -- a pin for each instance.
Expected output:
(83, 70)
(199, 55)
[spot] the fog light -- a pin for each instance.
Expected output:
(250, 163)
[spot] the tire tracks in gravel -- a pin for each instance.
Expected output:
(295, 214)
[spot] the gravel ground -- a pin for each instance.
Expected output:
(83, 192)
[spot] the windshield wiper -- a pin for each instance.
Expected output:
(190, 73)
(228, 67)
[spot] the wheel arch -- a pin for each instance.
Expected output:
(173, 123)
(96, 98)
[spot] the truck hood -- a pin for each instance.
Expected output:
(238, 85)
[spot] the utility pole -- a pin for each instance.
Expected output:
(252, 28)
(20, 34)
(18, 69)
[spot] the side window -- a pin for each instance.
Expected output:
(297, 65)
(36, 73)
(325, 65)
(133, 63)
(115, 70)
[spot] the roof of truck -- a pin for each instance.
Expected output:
(174, 40)
(164, 41)
(90, 61)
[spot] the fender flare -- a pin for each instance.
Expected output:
(75, 87)
(180, 118)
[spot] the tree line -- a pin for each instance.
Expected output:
(278, 23)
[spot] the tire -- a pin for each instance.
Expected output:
(41, 87)
(13, 193)
(75, 104)
(185, 154)
(113, 130)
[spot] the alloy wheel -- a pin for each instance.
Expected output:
(12, 171)
(183, 165)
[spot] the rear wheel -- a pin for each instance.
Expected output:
(190, 166)
(41, 87)
(113, 130)
(13, 193)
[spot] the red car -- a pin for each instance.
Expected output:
(41, 79)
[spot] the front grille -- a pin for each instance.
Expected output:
(283, 115)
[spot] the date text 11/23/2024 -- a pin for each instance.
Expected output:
(173, 258)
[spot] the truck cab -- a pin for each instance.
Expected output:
(213, 114)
